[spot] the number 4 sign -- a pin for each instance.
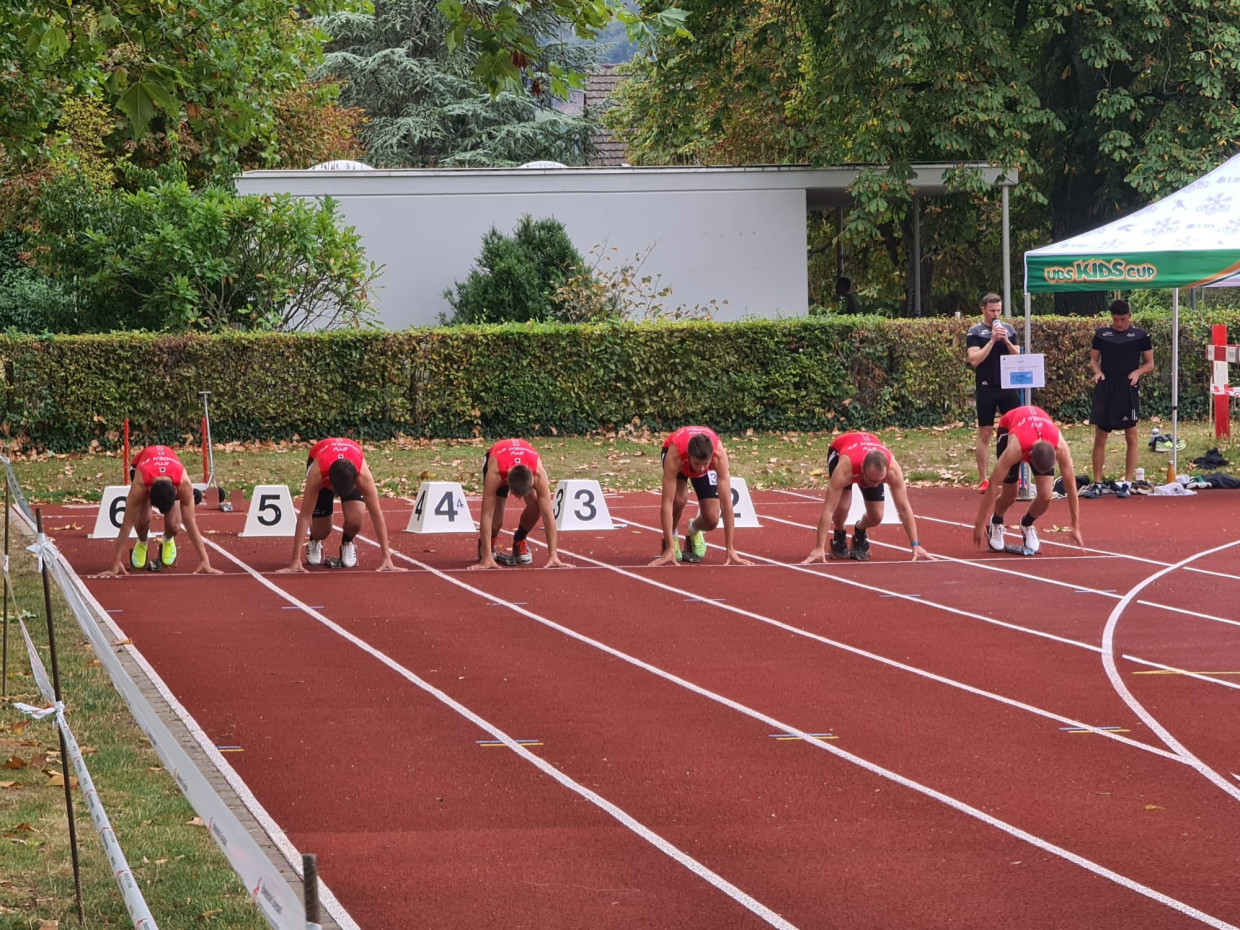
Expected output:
(271, 512)
(440, 508)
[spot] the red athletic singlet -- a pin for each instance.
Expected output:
(680, 439)
(326, 451)
(158, 462)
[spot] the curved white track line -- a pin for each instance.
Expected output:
(1108, 662)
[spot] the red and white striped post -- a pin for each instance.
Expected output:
(1222, 399)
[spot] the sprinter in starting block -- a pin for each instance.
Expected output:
(337, 468)
(159, 481)
(513, 468)
(1026, 434)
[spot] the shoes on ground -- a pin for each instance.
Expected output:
(314, 552)
(168, 552)
(348, 555)
(697, 543)
(1030, 538)
(1164, 443)
(1122, 489)
(521, 553)
(1094, 490)
(860, 545)
(995, 537)
(137, 558)
(839, 544)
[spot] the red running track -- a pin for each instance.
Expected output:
(971, 777)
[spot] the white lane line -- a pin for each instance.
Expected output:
(701, 871)
(953, 803)
(1046, 542)
(1102, 592)
(1108, 662)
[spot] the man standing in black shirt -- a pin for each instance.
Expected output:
(1121, 353)
(988, 341)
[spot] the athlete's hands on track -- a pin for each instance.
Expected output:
(667, 558)
(816, 555)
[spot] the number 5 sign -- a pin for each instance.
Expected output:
(271, 512)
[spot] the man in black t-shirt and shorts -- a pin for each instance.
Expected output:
(988, 341)
(1121, 353)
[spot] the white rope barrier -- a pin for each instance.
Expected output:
(139, 913)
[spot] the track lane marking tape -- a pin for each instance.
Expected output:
(675, 853)
(872, 767)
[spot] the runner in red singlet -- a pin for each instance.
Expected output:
(337, 468)
(512, 467)
(1027, 434)
(860, 459)
(159, 481)
(695, 455)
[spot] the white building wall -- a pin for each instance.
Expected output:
(726, 235)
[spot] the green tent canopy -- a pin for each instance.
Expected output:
(1188, 239)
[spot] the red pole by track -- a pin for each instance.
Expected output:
(125, 462)
(1222, 402)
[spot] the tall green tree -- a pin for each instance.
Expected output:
(1100, 105)
(425, 107)
(206, 70)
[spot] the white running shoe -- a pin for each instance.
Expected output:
(1031, 538)
(995, 534)
(348, 555)
(314, 552)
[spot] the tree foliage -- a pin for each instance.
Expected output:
(424, 106)
(166, 258)
(517, 276)
(207, 70)
(1100, 106)
(511, 51)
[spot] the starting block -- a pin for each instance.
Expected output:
(856, 509)
(1017, 550)
(271, 512)
(440, 508)
(111, 514)
(579, 505)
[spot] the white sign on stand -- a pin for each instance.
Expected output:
(856, 509)
(579, 505)
(271, 512)
(742, 504)
(111, 514)
(1022, 371)
(440, 508)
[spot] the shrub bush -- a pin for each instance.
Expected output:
(826, 373)
(517, 276)
(169, 258)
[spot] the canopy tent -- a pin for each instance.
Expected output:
(1188, 239)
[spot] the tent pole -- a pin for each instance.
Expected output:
(916, 255)
(1007, 253)
(1175, 379)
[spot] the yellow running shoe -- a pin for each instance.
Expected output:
(137, 557)
(168, 551)
(697, 542)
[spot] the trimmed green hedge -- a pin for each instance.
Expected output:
(817, 373)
